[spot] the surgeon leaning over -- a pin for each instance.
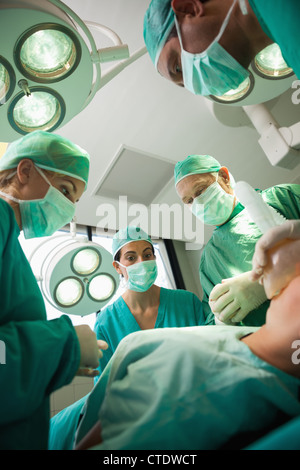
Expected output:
(144, 304)
(42, 176)
(207, 46)
(226, 261)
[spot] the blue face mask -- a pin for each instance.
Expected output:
(141, 276)
(43, 217)
(213, 71)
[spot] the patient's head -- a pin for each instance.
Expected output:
(283, 266)
(285, 307)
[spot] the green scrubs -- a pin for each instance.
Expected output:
(230, 249)
(40, 356)
(188, 388)
(177, 308)
(280, 20)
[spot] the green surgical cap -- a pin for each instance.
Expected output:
(128, 235)
(195, 165)
(49, 151)
(158, 23)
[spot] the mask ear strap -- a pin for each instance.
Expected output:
(220, 33)
(178, 32)
(225, 22)
(42, 174)
(243, 7)
(11, 175)
(9, 196)
(121, 264)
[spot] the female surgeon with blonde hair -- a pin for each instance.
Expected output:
(42, 176)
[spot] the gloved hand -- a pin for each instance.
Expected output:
(288, 230)
(234, 298)
(90, 350)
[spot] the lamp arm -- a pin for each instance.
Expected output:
(113, 72)
(120, 51)
(291, 135)
(280, 144)
(107, 31)
(86, 30)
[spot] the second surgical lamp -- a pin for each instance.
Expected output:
(75, 275)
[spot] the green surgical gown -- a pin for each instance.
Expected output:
(280, 20)
(177, 308)
(188, 388)
(40, 356)
(230, 249)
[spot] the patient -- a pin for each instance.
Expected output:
(199, 388)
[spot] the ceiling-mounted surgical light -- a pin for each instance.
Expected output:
(76, 275)
(47, 44)
(270, 64)
(42, 109)
(47, 53)
(68, 292)
(101, 287)
(86, 261)
(7, 81)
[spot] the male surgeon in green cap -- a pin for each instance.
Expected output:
(230, 296)
(207, 45)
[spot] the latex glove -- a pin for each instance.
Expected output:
(90, 350)
(234, 298)
(288, 230)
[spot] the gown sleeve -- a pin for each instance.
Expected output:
(40, 355)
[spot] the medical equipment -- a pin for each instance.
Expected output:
(75, 274)
(259, 211)
(286, 254)
(280, 144)
(50, 65)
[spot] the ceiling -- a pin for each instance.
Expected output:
(140, 111)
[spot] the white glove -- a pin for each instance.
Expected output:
(288, 230)
(232, 300)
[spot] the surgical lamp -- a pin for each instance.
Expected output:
(269, 76)
(76, 276)
(50, 65)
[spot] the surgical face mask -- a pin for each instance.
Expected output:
(214, 206)
(43, 217)
(213, 71)
(141, 276)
